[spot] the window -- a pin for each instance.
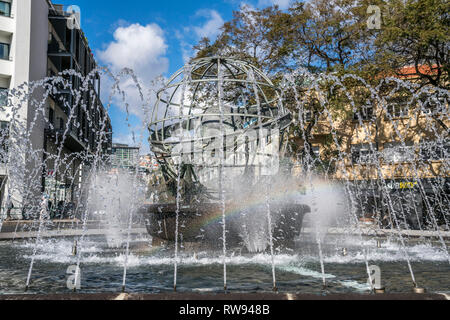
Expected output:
(4, 51)
(365, 113)
(397, 152)
(51, 116)
(5, 8)
(4, 138)
(397, 111)
(362, 153)
(435, 105)
(316, 151)
(92, 142)
(398, 108)
(3, 126)
(3, 97)
(433, 151)
(308, 115)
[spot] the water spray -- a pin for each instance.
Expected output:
(74, 247)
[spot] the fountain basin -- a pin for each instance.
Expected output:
(203, 222)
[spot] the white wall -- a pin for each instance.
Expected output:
(29, 58)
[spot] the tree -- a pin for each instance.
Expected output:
(328, 35)
(331, 36)
(415, 33)
(256, 36)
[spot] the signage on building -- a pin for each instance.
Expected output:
(402, 185)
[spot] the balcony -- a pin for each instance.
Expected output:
(7, 24)
(71, 140)
(57, 48)
(62, 100)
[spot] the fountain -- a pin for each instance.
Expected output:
(209, 142)
(303, 186)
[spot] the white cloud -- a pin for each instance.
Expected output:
(128, 139)
(282, 4)
(141, 48)
(210, 28)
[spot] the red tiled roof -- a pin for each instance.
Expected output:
(409, 72)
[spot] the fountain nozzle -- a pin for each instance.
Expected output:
(75, 248)
(379, 290)
(418, 290)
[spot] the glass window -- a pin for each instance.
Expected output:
(435, 105)
(398, 108)
(5, 8)
(308, 115)
(3, 125)
(365, 113)
(316, 151)
(51, 116)
(3, 97)
(397, 152)
(434, 151)
(4, 51)
(4, 137)
(362, 153)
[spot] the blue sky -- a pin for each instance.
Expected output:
(151, 37)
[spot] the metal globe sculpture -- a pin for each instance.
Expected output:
(216, 112)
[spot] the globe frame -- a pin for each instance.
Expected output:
(264, 112)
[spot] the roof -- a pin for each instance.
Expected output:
(409, 72)
(123, 146)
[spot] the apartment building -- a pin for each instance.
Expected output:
(124, 156)
(36, 41)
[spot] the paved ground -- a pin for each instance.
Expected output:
(226, 297)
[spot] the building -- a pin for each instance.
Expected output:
(148, 163)
(125, 157)
(62, 123)
(392, 151)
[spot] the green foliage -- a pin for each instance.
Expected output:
(332, 36)
(415, 33)
(256, 36)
